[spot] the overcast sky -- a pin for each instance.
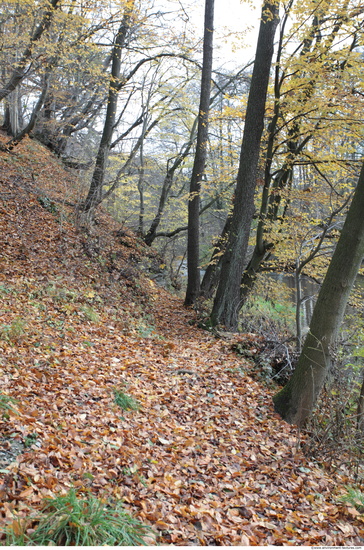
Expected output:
(241, 20)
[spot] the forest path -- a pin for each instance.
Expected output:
(205, 460)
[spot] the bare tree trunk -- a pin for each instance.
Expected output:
(167, 184)
(227, 302)
(29, 127)
(212, 272)
(94, 196)
(142, 169)
(296, 400)
(193, 232)
(21, 69)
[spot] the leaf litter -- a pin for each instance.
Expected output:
(204, 459)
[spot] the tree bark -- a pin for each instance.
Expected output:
(94, 196)
(360, 410)
(212, 272)
(296, 400)
(227, 301)
(193, 232)
(21, 70)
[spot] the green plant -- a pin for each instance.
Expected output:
(355, 498)
(68, 520)
(90, 314)
(13, 331)
(30, 439)
(124, 401)
(87, 343)
(4, 290)
(144, 329)
(7, 405)
(48, 204)
(269, 308)
(60, 294)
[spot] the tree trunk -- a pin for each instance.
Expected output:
(360, 410)
(227, 302)
(168, 180)
(296, 400)
(94, 196)
(29, 127)
(21, 69)
(193, 237)
(212, 272)
(296, 142)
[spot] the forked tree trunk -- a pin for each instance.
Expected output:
(227, 302)
(296, 400)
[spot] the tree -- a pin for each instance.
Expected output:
(301, 115)
(167, 184)
(296, 400)
(94, 196)
(227, 301)
(21, 67)
(193, 246)
(176, 162)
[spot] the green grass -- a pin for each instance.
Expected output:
(7, 405)
(90, 314)
(4, 290)
(72, 521)
(355, 498)
(60, 293)
(262, 313)
(14, 331)
(124, 401)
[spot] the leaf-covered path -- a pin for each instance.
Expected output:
(204, 461)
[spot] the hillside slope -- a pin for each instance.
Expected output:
(204, 461)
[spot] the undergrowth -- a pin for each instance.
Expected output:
(124, 401)
(68, 520)
(355, 497)
(336, 436)
(7, 405)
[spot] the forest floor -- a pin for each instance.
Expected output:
(205, 460)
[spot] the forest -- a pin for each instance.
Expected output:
(181, 282)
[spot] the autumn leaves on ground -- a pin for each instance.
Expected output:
(204, 460)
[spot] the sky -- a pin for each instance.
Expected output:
(235, 30)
